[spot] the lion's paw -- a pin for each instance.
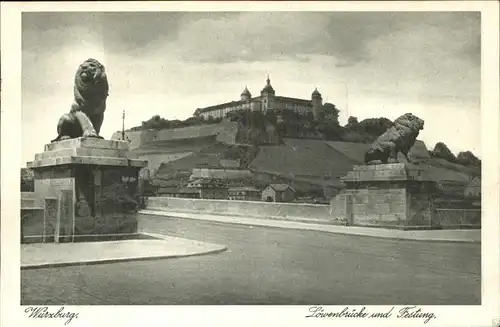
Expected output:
(91, 134)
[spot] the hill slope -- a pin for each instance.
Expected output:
(310, 165)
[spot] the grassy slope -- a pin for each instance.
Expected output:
(303, 159)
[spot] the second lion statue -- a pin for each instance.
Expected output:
(87, 111)
(400, 137)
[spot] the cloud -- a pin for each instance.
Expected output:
(345, 36)
(374, 64)
(219, 37)
(424, 64)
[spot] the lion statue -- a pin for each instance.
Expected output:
(87, 111)
(400, 137)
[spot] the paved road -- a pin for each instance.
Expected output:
(271, 266)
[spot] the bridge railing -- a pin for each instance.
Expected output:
(456, 217)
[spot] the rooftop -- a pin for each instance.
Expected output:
(295, 100)
(244, 188)
(280, 187)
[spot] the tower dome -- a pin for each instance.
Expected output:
(246, 95)
(268, 88)
(316, 93)
(246, 92)
(317, 103)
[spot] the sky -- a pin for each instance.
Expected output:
(369, 64)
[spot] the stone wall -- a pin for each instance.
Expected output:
(421, 204)
(106, 205)
(31, 224)
(50, 181)
(39, 220)
(458, 218)
(258, 209)
(92, 201)
(342, 210)
(383, 205)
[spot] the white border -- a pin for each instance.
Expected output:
(11, 312)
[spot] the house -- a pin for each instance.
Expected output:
(244, 193)
(209, 188)
(179, 192)
(189, 193)
(167, 191)
(278, 193)
(473, 190)
(231, 164)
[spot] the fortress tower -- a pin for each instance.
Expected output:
(267, 95)
(317, 103)
(246, 95)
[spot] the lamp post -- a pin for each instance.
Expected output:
(123, 125)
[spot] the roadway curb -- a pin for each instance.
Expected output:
(312, 229)
(221, 248)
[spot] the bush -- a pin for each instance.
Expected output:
(467, 158)
(156, 122)
(27, 180)
(442, 151)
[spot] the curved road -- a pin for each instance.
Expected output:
(271, 266)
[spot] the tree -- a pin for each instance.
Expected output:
(467, 158)
(442, 151)
(271, 117)
(330, 130)
(257, 119)
(375, 126)
(27, 180)
(352, 120)
(309, 116)
(330, 113)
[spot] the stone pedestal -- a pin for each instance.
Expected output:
(389, 195)
(96, 183)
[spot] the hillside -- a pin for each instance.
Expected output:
(310, 165)
(299, 158)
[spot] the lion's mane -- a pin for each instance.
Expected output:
(400, 137)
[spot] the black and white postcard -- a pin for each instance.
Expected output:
(247, 163)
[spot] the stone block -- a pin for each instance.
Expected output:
(458, 218)
(32, 224)
(51, 217)
(392, 195)
(65, 226)
(93, 143)
(385, 172)
(86, 151)
(95, 184)
(82, 152)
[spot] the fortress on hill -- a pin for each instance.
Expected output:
(266, 101)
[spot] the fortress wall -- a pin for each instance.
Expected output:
(221, 173)
(224, 132)
(187, 132)
(137, 138)
(156, 159)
